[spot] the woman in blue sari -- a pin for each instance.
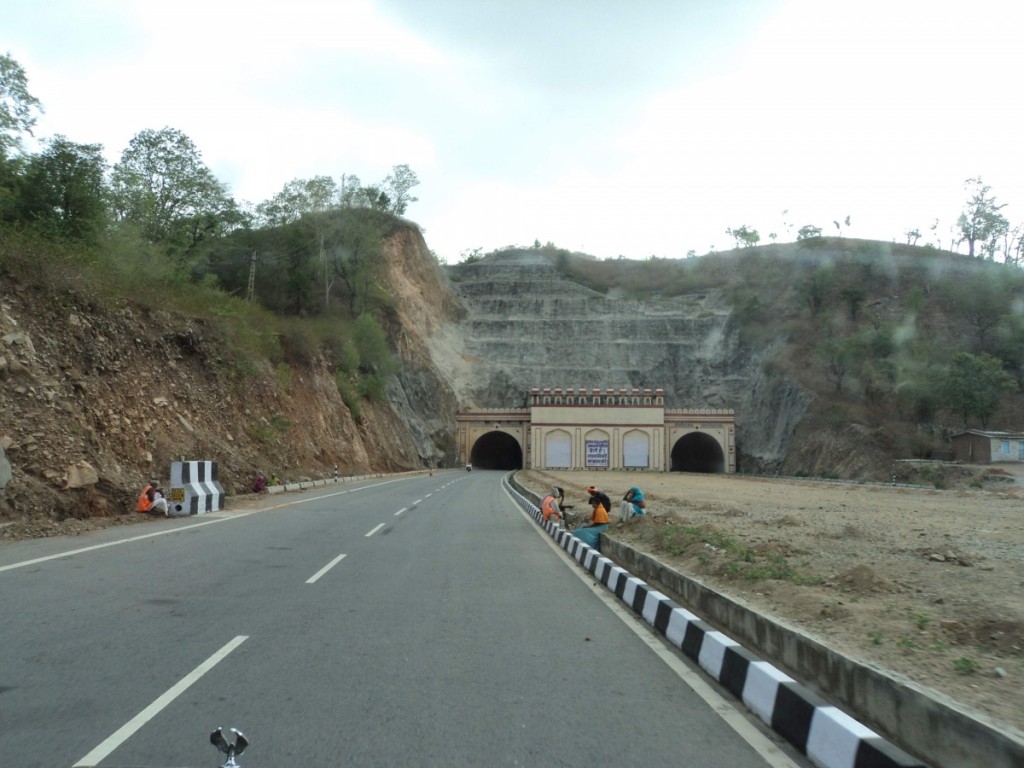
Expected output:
(633, 504)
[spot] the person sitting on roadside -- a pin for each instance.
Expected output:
(590, 533)
(259, 485)
(151, 500)
(551, 505)
(633, 504)
(593, 490)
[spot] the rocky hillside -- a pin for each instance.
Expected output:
(94, 400)
(526, 325)
(96, 396)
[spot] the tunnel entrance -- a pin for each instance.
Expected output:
(496, 450)
(697, 452)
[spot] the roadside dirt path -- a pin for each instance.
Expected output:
(928, 584)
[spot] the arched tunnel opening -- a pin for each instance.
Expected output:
(496, 450)
(697, 452)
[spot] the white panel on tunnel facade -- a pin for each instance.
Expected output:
(636, 450)
(558, 450)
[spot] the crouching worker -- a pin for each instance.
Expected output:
(551, 506)
(590, 533)
(633, 504)
(152, 500)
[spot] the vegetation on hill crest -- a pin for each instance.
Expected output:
(917, 342)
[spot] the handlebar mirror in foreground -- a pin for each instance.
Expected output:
(231, 750)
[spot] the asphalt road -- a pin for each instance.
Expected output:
(414, 621)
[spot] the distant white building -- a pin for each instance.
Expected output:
(977, 446)
(598, 429)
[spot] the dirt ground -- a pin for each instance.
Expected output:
(926, 583)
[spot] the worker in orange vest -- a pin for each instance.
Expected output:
(551, 506)
(151, 500)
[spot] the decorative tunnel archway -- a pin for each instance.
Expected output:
(697, 452)
(496, 450)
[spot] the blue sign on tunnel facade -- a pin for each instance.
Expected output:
(598, 429)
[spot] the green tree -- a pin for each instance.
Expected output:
(64, 192)
(350, 186)
(18, 107)
(974, 386)
(1009, 345)
(372, 197)
(981, 298)
(981, 221)
(162, 186)
(376, 364)
(916, 390)
(744, 236)
(807, 232)
(841, 357)
(853, 294)
(292, 248)
(353, 253)
(18, 110)
(397, 186)
(817, 288)
(298, 197)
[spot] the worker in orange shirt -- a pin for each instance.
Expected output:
(590, 532)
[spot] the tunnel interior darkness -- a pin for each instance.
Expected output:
(697, 452)
(496, 450)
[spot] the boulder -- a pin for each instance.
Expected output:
(80, 475)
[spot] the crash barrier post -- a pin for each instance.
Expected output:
(194, 488)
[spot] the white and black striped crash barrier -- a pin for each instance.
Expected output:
(830, 737)
(194, 488)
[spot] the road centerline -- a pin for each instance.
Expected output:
(315, 577)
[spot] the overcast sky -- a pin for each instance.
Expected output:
(612, 127)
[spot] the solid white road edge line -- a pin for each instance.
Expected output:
(724, 708)
(179, 529)
(82, 550)
(313, 579)
(123, 733)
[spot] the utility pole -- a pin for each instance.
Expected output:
(250, 293)
(327, 284)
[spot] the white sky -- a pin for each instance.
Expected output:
(613, 127)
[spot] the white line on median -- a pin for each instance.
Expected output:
(177, 529)
(374, 530)
(125, 731)
(312, 579)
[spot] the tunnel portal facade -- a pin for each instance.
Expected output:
(598, 429)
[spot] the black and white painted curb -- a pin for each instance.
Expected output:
(828, 736)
